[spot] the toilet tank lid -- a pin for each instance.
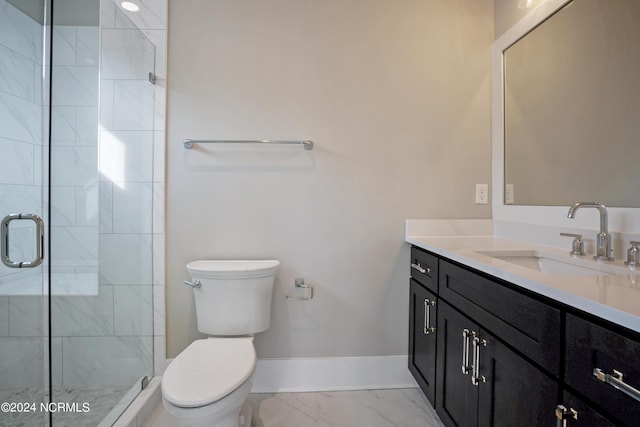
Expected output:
(233, 268)
(208, 370)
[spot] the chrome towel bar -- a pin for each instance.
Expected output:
(188, 143)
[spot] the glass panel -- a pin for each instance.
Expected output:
(100, 153)
(23, 332)
(101, 211)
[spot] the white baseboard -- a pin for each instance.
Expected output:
(331, 373)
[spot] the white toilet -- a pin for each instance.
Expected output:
(208, 383)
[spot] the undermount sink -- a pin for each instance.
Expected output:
(549, 264)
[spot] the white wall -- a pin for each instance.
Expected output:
(395, 96)
(508, 12)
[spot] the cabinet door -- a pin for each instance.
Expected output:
(514, 392)
(422, 339)
(586, 415)
(456, 397)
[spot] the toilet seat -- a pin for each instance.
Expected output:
(208, 370)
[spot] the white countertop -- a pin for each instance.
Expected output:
(614, 296)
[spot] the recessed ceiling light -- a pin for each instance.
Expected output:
(131, 7)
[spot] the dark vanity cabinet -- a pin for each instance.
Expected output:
(489, 353)
(422, 322)
(489, 359)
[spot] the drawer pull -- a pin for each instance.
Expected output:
(563, 414)
(427, 328)
(466, 336)
(420, 268)
(476, 378)
(616, 381)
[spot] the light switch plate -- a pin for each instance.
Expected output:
(482, 194)
(508, 194)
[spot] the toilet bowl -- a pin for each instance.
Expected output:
(207, 384)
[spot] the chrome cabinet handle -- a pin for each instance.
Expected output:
(195, 283)
(427, 328)
(420, 268)
(4, 238)
(476, 378)
(466, 336)
(616, 381)
(563, 414)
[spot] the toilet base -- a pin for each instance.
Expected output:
(245, 415)
(231, 411)
(242, 419)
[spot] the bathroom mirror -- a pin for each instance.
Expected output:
(570, 105)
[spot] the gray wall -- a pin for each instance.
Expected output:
(396, 96)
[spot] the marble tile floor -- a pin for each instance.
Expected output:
(101, 401)
(363, 408)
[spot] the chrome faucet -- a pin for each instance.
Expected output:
(603, 238)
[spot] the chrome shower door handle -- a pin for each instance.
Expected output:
(4, 239)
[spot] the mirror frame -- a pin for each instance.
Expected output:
(620, 219)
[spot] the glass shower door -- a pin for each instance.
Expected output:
(102, 112)
(78, 328)
(23, 158)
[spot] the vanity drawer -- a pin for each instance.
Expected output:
(592, 346)
(528, 325)
(424, 269)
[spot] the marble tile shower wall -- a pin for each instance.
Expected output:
(74, 176)
(21, 344)
(74, 145)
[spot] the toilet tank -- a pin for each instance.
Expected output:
(234, 296)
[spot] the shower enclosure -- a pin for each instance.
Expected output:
(76, 166)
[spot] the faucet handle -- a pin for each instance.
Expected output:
(633, 254)
(577, 246)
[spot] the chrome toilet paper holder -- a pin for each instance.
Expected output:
(299, 283)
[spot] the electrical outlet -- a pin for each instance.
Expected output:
(508, 194)
(482, 194)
